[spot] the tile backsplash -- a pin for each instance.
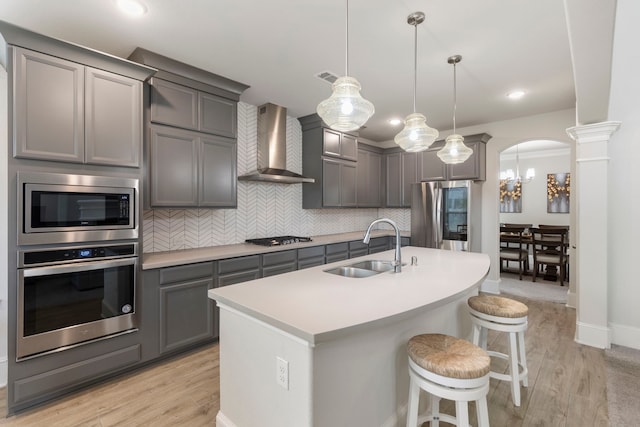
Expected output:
(264, 209)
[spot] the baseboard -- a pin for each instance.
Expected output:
(593, 335)
(3, 372)
(490, 286)
(625, 336)
(223, 421)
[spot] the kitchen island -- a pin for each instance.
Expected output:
(310, 348)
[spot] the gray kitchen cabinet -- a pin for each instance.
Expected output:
(369, 176)
(330, 158)
(358, 248)
(378, 244)
(401, 172)
(474, 168)
(189, 169)
(310, 257)
(339, 181)
(186, 314)
(182, 106)
(340, 145)
(98, 114)
(279, 262)
(336, 252)
(237, 270)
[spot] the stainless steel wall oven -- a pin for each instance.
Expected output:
(64, 208)
(69, 295)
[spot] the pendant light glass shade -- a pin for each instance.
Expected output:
(345, 109)
(454, 150)
(416, 135)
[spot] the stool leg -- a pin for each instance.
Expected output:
(462, 414)
(435, 411)
(476, 334)
(412, 407)
(483, 338)
(523, 360)
(483, 412)
(515, 372)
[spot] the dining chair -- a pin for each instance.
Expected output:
(550, 249)
(514, 249)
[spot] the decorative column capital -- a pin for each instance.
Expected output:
(596, 132)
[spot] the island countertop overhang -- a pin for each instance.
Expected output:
(316, 306)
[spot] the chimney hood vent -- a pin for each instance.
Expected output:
(272, 148)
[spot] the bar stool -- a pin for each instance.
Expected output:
(489, 312)
(447, 368)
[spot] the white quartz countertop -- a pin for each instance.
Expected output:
(317, 306)
(191, 256)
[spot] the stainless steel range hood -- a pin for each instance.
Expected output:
(272, 148)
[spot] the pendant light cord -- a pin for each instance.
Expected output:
(455, 98)
(415, 64)
(346, 59)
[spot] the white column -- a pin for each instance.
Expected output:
(590, 189)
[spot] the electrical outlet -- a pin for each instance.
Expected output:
(282, 372)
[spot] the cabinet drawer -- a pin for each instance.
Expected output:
(279, 269)
(277, 258)
(336, 248)
(186, 272)
(312, 252)
(233, 265)
(239, 277)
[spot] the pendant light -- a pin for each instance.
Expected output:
(345, 110)
(454, 151)
(416, 135)
(509, 176)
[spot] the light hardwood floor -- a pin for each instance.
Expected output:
(567, 386)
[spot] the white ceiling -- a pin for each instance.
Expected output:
(278, 46)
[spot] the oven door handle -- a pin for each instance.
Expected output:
(77, 267)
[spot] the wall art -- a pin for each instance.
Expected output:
(558, 192)
(510, 196)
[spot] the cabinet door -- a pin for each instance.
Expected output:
(217, 115)
(113, 119)
(49, 107)
(348, 184)
(331, 143)
(349, 147)
(173, 167)
(173, 104)
(394, 180)
(431, 167)
(186, 314)
(330, 183)
(471, 168)
(369, 169)
(218, 173)
(409, 176)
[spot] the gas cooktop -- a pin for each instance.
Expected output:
(280, 240)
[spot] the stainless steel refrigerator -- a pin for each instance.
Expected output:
(446, 215)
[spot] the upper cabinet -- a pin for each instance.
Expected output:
(369, 172)
(192, 147)
(431, 168)
(330, 157)
(69, 112)
(401, 172)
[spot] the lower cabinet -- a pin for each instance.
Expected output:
(378, 244)
(336, 252)
(358, 248)
(237, 270)
(279, 263)
(310, 257)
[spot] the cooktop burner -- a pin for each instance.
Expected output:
(276, 241)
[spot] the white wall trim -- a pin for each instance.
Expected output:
(593, 335)
(626, 336)
(223, 421)
(572, 299)
(593, 159)
(3, 372)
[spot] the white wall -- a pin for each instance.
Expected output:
(624, 185)
(534, 193)
(3, 226)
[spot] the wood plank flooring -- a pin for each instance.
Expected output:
(567, 386)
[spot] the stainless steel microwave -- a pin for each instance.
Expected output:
(62, 208)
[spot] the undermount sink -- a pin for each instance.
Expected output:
(362, 268)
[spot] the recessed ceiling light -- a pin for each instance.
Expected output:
(516, 94)
(132, 7)
(395, 122)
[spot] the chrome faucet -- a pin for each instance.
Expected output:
(397, 261)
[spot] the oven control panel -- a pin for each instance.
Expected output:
(48, 256)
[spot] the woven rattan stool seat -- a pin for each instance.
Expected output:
(498, 306)
(448, 356)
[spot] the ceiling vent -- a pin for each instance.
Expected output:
(327, 76)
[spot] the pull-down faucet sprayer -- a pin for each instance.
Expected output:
(397, 262)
